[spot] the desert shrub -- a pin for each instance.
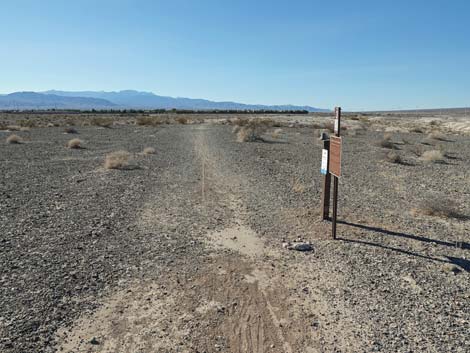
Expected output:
(149, 120)
(149, 150)
(433, 156)
(438, 207)
(276, 133)
(14, 139)
(27, 123)
(74, 143)
(393, 157)
(436, 135)
(386, 142)
(182, 120)
(117, 160)
(70, 130)
(102, 121)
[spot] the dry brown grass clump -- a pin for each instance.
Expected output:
(117, 160)
(417, 130)
(74, 143)
(433, 156)
(443, 208)
(14, 139)
(149, 150)
(70, 130)
(393, 157)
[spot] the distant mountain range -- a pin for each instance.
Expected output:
(128, 99)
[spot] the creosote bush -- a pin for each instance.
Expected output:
(433, 156)
(251, 130)
(117, 160)
(14, 139)
(149, 150)
(74, 143)
(150, 120)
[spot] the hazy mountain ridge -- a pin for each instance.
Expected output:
(125, 100)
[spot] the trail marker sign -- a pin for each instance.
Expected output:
(335, 156)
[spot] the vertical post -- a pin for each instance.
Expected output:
(337, 130)
(326, 187)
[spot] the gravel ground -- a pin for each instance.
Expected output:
(182, 251)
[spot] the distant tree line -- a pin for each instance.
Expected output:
(154, 111)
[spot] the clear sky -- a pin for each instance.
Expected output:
(361, 55)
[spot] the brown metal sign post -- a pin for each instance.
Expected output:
(335, 165)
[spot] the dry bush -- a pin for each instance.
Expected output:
(433, 156)
(102, 122)
(74, 143)
(182, 120)
(27, 123)
(436, 135)
(386, 142)
(393, 157)
(246, 134)
(277, 133)
(443, 208)
(149, 120)
(14, 139)
(70, 130)
(253, 129)
(117, 160)
(149, 150)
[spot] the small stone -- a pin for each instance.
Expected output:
(94, 341)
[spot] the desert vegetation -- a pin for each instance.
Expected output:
(74, 143)
(117, 160)
(14, 139)
(149, 150)
(433, 156)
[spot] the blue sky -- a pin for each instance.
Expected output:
(361, 55)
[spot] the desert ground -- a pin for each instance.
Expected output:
(188, 246)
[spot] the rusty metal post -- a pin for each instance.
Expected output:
(337, 130)
(326, 187)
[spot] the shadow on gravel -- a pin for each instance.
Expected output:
(461, 245)
(462, 263)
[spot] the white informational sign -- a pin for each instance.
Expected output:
(336, 125)
(324, 161)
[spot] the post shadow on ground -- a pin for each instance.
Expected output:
(461, 263)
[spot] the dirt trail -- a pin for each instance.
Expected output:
(240, 298)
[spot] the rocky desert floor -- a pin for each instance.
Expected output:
(184, 249)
